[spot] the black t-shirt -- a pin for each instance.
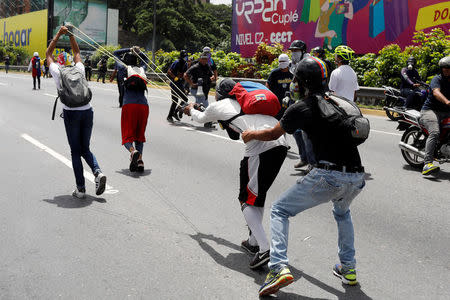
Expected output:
(432, 103)
(279, 82)
(201, 71)
(409, 77)
(328, 143)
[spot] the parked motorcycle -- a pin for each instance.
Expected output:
(395, 102)
(412, 144)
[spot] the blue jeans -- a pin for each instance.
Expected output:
(78, 125)
(200, 99)
(305, 147)
(317, 187)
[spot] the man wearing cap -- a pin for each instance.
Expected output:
(279, 80)
(35, 66)
(199, 77)
(259, 167)
(211, 62)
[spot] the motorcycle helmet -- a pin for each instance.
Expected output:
(445, 62)
(224, 87)
(130, 59)
(311, 73)
(344, 52)
(319, 51)
(411, 62)
(298, 45)
(36, 54)
(183, 55)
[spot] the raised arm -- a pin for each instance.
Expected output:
(49, 53)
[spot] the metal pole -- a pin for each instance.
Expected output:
(154, 31)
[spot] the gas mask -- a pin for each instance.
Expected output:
(410, 66)
(297, 57)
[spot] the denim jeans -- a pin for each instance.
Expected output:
(431, 120)
(78, 125)
(305, 147)
(200, 99)
(317, 187)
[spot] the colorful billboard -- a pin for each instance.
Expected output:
(27, 30)
(364, 25)
(89, 16)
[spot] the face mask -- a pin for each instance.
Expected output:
(296, 56)
(410, 66)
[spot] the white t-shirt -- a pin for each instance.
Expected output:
(344, 82)
(228, 108)
(54, 70)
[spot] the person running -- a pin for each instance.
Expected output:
(279, 81)
(259, 167)
(177, 82)
(343, 80)
(35, 67)
(88, 67)
(135, 106)
(78, 122)
(338, 177)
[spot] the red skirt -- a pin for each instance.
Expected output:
(134, 122)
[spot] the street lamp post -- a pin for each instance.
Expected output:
(154, 31)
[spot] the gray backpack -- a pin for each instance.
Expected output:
(74, 90)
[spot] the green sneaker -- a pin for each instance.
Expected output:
(430, 168)
(275, 281)
(347, 276)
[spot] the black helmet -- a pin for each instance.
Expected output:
(130, 59)
(311, 73)
(224, 88)
(183, 54)
(319, 51)
(298, 45)
(411, 60)
(445, 62)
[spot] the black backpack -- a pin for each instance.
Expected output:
(74, 90)
(135, 79)
(345, 116)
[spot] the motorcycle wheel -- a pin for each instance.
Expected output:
(415, 137)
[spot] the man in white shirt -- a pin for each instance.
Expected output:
(78, 122)
(259, 168)
(343, 80)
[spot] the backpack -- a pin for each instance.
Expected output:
(136, 79)
(256, 98)
(37, 64)
(73, 90)
(345, 116)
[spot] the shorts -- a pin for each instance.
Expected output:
(134, 122)
(257, 173)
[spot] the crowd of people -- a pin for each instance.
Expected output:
(335, 170)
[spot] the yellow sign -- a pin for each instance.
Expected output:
(27, 30)
(433, 15)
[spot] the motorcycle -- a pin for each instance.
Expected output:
(395, 102)
(412, 144)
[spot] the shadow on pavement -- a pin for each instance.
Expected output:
(127, 172)
(239, 262)
(68, 201)
(199, 128)
(438, 177)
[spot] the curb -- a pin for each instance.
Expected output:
(373, 112)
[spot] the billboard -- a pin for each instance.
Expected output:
(364, 25)
(88, 15)
(27, 30)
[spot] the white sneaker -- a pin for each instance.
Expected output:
(100, 183)
(80, 194)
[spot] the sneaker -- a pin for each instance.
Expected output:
(208, 125)
(169, 119)
(79, 193)
(430, 168)
(100, 183)
(134, 156)
(275, 281)
(300, 164)
(140, 165)
(347, 276)
(249, 248)
(260, 259)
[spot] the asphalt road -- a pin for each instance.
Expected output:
(174, 232)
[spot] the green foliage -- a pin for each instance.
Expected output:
(363, 64)
(17, 55)
(389, 64)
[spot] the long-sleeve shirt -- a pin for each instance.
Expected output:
(409, 78)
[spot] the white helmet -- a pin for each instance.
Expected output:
(206, 49)
(35, 54)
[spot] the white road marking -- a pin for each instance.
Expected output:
(1, 83)
(385, 132)
(50, 95)
(210, 134)
(68, 163)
